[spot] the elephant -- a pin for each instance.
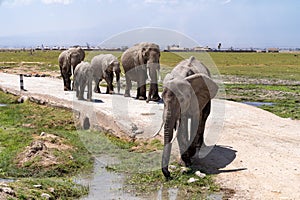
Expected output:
(82, 78)
(103, 67)
(68, 60)
(136, 61)
(187, 94)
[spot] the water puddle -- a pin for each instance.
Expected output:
(258, 104)
(6, 180)
(104, 184)
(2, 105)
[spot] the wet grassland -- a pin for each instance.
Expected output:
(272, 78)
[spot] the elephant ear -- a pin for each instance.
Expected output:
(205, 88)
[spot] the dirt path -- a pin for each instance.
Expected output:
(257, 153)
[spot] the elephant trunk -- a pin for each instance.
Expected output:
(168, 135)
(153, 73)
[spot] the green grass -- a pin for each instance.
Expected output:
(284, 66)
(286, 98)
(57, 188)
(20, 124)
(149, 182)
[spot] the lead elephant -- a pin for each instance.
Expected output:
(82, 78)
(68, 60)
(104, 66)
(135, 61)
(187, 95)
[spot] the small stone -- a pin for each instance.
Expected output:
(37, 186)
(191, 180)
(172, 167)
(199, 174)
(46, 196)
(7, 190)
(184, 170)
(52, 190)
(43, 134)
(139, 131)
(23, 99)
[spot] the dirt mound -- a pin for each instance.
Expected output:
(42, 151)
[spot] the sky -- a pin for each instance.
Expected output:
(233, 23)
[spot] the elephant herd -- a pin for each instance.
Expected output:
(187, 91)
(138, 61)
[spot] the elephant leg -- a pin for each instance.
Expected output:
(97, 88)
(128, 86)
(81, 90)
(109, 88)
(153, 93)
(153, 90)
(67, 81)
(141, 91)
(183, 141)
(198, 141)
(89, 94)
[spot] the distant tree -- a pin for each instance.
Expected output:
(88, 45)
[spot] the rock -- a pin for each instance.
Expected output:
(7, 190)
(43, 134)
(37, 186)
(184, 169)
(46, 196)
(52, 190)
(23, 99)
(172, 167)
(191, 180)
(199, 174)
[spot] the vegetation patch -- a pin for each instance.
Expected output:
(188, 185)
(44, 188)
(40, 142)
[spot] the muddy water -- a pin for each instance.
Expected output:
(108, 185)
(104, 184)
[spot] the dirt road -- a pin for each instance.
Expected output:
(257, 153)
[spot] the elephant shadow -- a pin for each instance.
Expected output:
(97, 101)
(219, 157)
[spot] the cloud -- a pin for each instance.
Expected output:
(226, 2)
(15, 2)
(161, 1)
(65, 2)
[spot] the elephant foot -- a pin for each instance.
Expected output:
(110, 92)
(141, 98)
(80, 98)
(157, 98)
(67, 89)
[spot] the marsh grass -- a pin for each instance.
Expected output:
(153, 181)
(57, 188)
(20, 124)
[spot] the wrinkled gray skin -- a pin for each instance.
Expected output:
(136, 61)
(82, 78)
(187, 94)
(68, 60)
(103, 67)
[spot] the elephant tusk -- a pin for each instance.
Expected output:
(176, 132)
(157, 132)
